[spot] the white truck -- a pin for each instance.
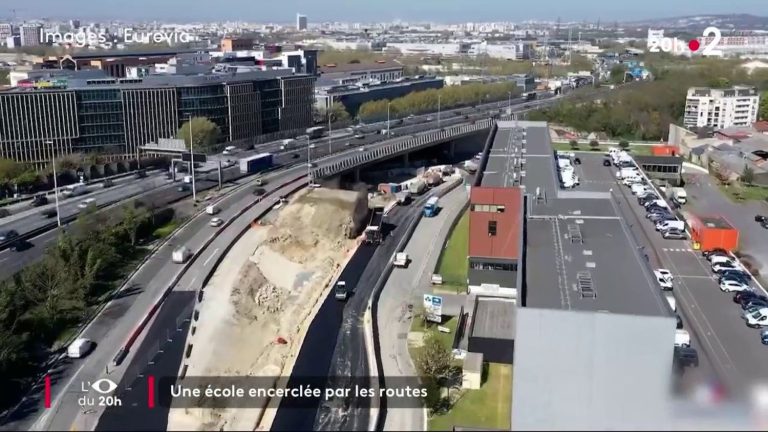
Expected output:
(417, 186)
(212, 210)
(79, 348)
(679, 195)
(401, 259)
(181, 255)
(74, 190)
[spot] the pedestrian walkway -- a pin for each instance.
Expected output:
(405, 287)
(677, 249)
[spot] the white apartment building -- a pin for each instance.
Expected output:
(6, 31)
(721, 108)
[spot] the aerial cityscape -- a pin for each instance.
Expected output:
(383, 217)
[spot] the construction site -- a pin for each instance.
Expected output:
(263, 296)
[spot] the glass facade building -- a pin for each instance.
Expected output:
(114, 116)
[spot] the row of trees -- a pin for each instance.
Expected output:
(40, 303)
(427, 100)
(644, 110)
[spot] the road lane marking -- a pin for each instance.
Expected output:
(189, 287)
(210, 257)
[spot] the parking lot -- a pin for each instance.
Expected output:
(728, 349)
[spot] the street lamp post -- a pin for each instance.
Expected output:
(55, 183)
(309, 161)
(192, 158)
(330, 140)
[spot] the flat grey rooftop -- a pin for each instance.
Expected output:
(494, 318)
(580, 253)
(500, 169)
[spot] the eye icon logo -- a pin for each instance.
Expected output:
(104, 386)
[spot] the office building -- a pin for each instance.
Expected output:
(29, 35)
(354, 96)
(6, 31)
(115, 116)
(301, 22)
(721, 108)
(230, 44)
(13, 41)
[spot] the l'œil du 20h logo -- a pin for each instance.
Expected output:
(705, 45)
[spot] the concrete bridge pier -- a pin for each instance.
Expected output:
(452, 148)
(406, 160)
(357, 175)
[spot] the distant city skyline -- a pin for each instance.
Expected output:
(447, 11)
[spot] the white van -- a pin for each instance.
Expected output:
(212, 210)
(670, 224)
(682, 338)
(758, 318)
(79, 348)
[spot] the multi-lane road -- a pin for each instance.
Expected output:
(161, 191)
(113, 326)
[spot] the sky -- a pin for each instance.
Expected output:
(453, 11)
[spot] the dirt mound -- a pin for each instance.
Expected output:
(253, 296)
(320, 218)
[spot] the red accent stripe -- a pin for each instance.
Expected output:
(151, 391)
(47, 391)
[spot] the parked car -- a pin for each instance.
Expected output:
(732, 285)
(737, 275)
(721, 267)
(709, 253)
(746, 295)
(674, 234)
(750, 304)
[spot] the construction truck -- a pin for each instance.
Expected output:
(679, 195)
(417, 186)
(372, 233)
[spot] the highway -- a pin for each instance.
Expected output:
(113, 326)
(160, 191)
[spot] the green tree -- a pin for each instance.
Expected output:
(9, 169)
(4, 80)
(747, 175)
(618, 73)
(68, 162)
(434, 360)
(133, 219)
(624, 144)
(339, 113)
(763, 111)
(206, 134)
(574, 144)
(594, 144)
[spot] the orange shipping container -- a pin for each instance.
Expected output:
(713, 232)
(664, 150)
